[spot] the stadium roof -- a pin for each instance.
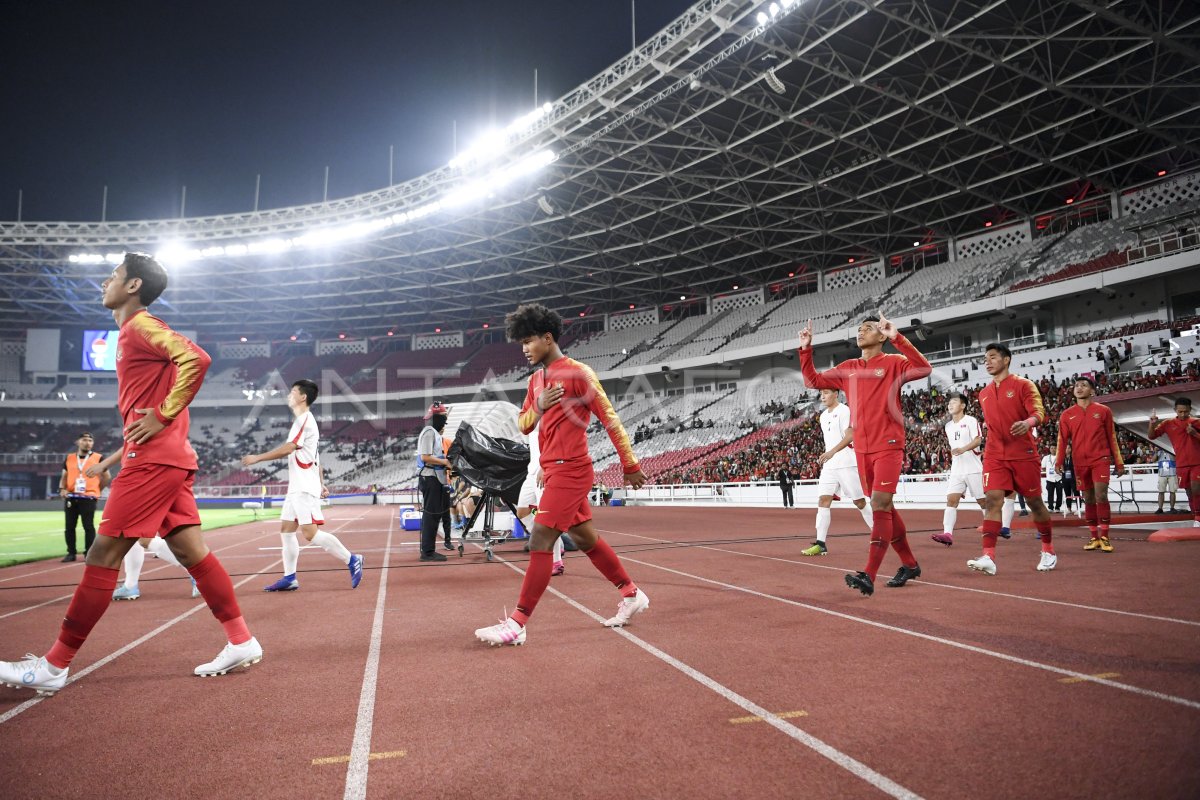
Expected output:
(736, 145)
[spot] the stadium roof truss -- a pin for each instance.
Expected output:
(724, 151)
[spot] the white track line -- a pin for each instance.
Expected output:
(360, 751)
(28, 704)
(930, 638)
(922, 581)
(846, 762)
(39, 605)
(79, 564)
(162, 566)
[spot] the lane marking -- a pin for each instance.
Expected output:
(931, 638)
(923, 582)
(780, 714)
(39, 605)
(79, 563)
(371, 757)
(162, 566)
(360, 751)
(846, 762)
(28, 704)
(1084, 680)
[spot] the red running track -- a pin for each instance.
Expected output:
(1083, 682)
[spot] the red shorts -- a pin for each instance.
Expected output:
(1187, 476)
(1088, 475)
(148, 500)
(1024, 476)
(564, 502)
(879, 471)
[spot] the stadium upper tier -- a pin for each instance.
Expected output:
(743, 142)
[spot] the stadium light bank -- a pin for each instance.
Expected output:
(481, 153)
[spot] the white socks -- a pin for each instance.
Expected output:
(133, 565)
(1010, 511)
(332, 545)
(823, 516)
(162, 550)
(291, 552)
(558, 548)
(949, 516)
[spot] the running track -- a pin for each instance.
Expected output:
(755, 672)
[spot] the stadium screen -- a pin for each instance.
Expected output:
(100, 351)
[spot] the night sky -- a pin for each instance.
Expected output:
(147, 97)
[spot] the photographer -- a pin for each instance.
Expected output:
(432, 479)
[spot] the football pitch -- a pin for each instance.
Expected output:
(36, 535)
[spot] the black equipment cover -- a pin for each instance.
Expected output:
(498, 466)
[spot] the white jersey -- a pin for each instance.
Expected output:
(304, 466)
(960, 434)
(834, 424)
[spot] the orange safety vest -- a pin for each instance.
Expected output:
(75, 469)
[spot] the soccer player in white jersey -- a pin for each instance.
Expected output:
(839, 470)
(531, 492)
(966, 468)
(306, 487)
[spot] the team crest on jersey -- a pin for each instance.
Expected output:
(120, 353)
(1010, 393)
(879, 372)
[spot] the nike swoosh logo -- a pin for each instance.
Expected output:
(885, 483)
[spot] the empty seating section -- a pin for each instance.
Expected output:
(412, 370)
(1095, 247)
(953, 282)
(489, 362)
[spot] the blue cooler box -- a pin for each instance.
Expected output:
(410, 519)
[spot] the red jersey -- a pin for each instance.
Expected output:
(1012, 400)
(159, 369)
(872, 391)
(1187, 448)
(562, 431)
(1091, 434)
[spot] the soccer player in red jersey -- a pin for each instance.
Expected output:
(158, 375)
(1088, 429)
(1184, 433)
(1012, 408)
(872, 386)
(561, 399)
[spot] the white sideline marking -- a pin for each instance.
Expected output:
(923, 582)
(28, 704)
(846, 762)
(931, 638)
(360, 751)
(162, 566)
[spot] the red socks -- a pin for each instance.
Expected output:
(217, 590)
(537, 578)
(605, 560)
(1047, 533)
(92, 598)
(883, 525)
(1103, 518)
(900, 541)
(991, 532)
(1091, 515)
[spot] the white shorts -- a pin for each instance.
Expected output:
(842, 481)
(530, 493)
(302, 508)
(960, 484)
(1168, 483)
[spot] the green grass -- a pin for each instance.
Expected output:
(36, 535)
